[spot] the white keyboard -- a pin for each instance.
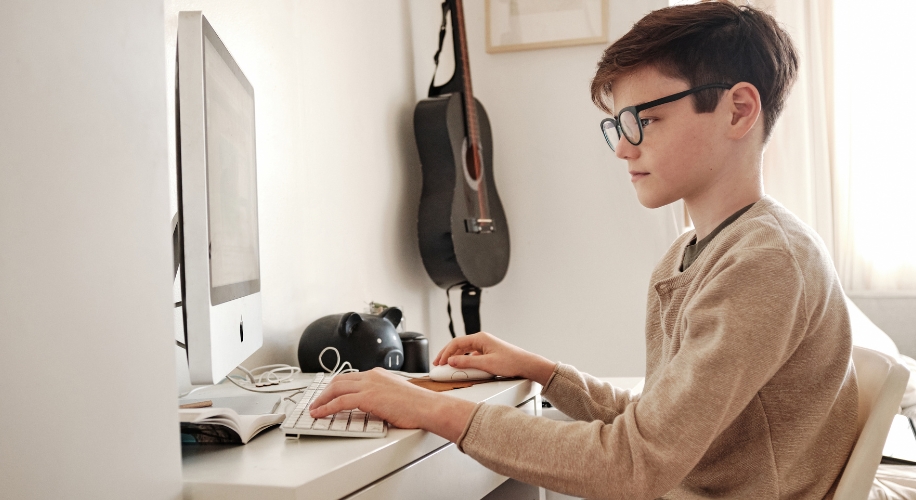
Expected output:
(350, 423)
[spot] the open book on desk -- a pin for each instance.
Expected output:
(223, 425)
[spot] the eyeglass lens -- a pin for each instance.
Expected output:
(609, 128)
(630, 127)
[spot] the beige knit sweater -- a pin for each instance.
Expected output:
(749, 393)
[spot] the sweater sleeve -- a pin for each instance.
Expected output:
(584, 397)
(741, 328)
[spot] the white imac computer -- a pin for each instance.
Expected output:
(217, 230)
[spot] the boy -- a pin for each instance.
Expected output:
(749, 392)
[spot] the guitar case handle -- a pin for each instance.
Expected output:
(470, 308)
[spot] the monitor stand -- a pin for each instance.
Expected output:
(182, 373)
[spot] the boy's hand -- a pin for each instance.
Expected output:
(495, 356)
(396, 400)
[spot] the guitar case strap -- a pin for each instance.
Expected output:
(433, 90)
(470, 308)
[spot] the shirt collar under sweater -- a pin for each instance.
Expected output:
(693, 250)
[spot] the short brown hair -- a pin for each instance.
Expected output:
(703, 43)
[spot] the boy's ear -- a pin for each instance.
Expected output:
(744, 107)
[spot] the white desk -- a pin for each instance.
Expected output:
(273, 467)
(406, 464)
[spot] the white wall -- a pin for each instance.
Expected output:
(87, 399)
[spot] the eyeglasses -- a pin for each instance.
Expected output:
(628, 124)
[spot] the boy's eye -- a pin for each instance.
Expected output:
(645, 121)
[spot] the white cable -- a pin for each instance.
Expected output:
(248, 375)
(192, 391)
(290, 397)
(342, 367)
(264, 376)
(248, 387)
(268, 375)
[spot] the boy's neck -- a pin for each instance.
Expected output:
(708, 209)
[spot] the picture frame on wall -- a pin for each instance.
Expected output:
(513, 25)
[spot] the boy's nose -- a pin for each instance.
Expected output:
(626, 150)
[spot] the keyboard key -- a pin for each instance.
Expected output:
(357, 422)
(305, 422)
(322, 424)
(375, 426)
(340, 421)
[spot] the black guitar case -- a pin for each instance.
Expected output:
(455, 251)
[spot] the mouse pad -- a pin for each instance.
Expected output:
(432, 385)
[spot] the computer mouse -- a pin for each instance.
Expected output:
(448, 373)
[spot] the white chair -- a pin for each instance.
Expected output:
(881, 384)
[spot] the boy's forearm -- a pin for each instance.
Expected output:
(447, 416)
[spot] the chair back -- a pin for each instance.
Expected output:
(881, 382)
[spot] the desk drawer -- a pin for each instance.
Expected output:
(446, 471)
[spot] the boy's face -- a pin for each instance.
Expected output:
(681, 151)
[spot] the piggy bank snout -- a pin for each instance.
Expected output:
(392, 358)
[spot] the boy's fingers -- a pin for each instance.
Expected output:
(442, 351)
(345, 402)
(335, 389)
(457, 361)
(462, 345)
(481, 362)
(457, 353)
(456, 346)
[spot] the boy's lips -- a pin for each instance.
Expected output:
(635, 176)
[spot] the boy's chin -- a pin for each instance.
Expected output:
(649, 201)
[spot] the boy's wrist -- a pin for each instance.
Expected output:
(447, 416)
(540, 369)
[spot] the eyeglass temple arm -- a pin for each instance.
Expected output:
(679, 95)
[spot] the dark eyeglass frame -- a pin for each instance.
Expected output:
(634, 110)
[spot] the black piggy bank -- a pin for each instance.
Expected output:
(365, 340)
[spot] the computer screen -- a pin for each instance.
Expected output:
(217, 204)
(231, 180)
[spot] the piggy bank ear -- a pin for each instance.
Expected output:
(348, 323)
(393, 315)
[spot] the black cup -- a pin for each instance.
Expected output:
(416, 352)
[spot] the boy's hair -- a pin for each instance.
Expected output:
(708, 42)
